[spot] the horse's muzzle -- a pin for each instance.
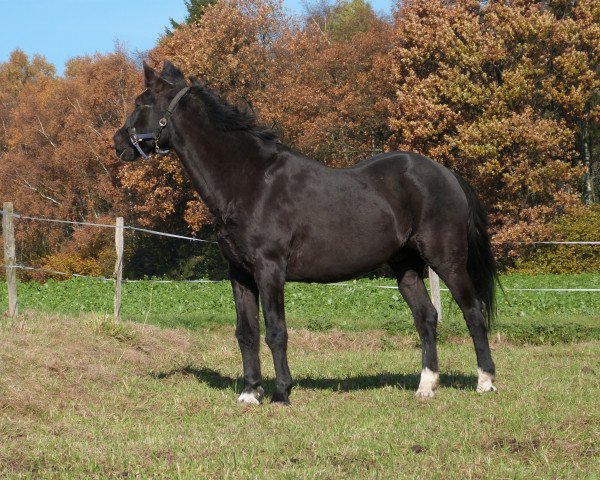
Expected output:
(123, 147)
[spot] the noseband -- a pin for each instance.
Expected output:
(136, 138)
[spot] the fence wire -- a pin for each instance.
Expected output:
(108, 225)
(194, 239)
(105, 279)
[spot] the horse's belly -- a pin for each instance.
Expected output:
(316, 260)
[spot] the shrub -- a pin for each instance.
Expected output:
(581, 226)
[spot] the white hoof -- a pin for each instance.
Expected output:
(422, 393)
(485, 382)
(429, 382)
(253, 397)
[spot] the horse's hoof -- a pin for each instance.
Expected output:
(279, 403)
(252, 396)
(485, 382)
(428, 383)
(424, 393)
(486, 388)
(280, 398)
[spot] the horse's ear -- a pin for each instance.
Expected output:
(171, 71)
(195, 80)
(152, 79)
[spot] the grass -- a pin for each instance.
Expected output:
(81, 397)
(531, 317)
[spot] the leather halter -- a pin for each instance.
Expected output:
(136, 138)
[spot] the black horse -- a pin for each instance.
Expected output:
(281, 216)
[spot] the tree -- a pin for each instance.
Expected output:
(327, 97)
(60, 160)
(195, 10)
(230, 47)
(341, 20)
(573, 83)
(483, 89)
(15, 74)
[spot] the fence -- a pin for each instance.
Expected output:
(11, 264)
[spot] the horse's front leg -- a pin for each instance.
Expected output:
(270, 278)
(245, 293)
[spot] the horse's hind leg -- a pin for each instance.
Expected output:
(412, 288)
(461, 287)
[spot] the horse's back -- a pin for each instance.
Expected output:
(419, 179)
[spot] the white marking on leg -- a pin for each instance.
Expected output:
(429, 382)
(254, 397)
(485, 382)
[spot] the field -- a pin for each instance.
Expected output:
(82, 397)
(532, 317)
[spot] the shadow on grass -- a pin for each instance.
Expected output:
(214, 379)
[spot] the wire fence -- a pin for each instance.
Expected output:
(107, 225)
(12, 265)
(195, 239)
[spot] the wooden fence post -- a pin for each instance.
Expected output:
(8, 232)
(118, 267)
(436, 297)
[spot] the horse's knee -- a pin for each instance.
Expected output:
(246, 336)
(276, 337)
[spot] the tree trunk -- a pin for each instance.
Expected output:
(588, 177)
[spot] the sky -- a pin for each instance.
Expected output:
(63, 29)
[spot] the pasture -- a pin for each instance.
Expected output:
(524, 316)
(81, 396)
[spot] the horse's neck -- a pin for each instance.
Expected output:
(219, 163)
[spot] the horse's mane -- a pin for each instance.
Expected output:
(228, 117)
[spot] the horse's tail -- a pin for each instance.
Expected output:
(481, 265)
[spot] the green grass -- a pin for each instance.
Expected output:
(80, 398)
(533, 317)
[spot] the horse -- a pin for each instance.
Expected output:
(280, 216)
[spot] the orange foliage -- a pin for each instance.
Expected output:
(328, 97)
(59, 160)
(505, 92)
(498, 92)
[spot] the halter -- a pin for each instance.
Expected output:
(136, 138)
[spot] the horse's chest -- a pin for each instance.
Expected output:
(232, 245)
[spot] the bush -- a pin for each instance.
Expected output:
(582, 226)
(72, 262)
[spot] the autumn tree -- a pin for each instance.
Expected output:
(60, 158)
(340, 20)
(327, 95)
(15, 74)
(485, 89)
(572, 86)
(230, 48)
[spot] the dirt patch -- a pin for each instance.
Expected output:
(334, 340)
(515, 446)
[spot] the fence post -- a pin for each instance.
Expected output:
(8, 231)
(118, 266)
(436, 297)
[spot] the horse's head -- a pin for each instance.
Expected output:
(147, 129)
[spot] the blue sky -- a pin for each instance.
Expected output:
(62, 29)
